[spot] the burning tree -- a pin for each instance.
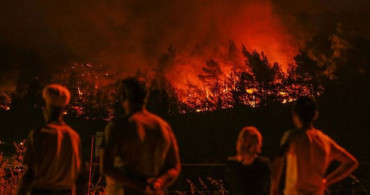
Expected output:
(256, 83)
(227, 79)
(265, 76)
(212, 85)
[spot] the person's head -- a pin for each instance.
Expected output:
(249, 142)
(133, 93)
(304, 112)
(56, 98)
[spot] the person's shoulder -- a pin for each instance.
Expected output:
(37, 129)
(323, 136)
(34, 132)
(44, 131)
(71, 131)
(292, 134)
(288, 135)
(158, 119)
(119, 121)
(152, 115)
(232, 161)
(263, 160)
(318, 132)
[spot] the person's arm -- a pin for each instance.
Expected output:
(172, 164)
(348, 164)
(267, 176)
(82, 179)
(231, 177)
(106, 162)
(107, 155)
(278, 165)
(25, 183)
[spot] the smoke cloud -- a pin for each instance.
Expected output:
(44, 36)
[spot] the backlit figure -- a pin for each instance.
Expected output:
(139, 153)
(308, 153)
(247, 172)
(52, 157)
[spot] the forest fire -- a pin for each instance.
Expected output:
(253, 81)
(211, 67)
(204, 57)
(202, 68)
(237, 77)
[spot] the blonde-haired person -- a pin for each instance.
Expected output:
(247, 172)
(52, 157)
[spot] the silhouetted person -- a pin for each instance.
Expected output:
(139, 153)
(248, 173)
(308, 153)
(52, 157)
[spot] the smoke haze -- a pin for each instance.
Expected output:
(45, 36)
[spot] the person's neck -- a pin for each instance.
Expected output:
(307, 126)
(58, 119)
(132, 109)
(247, 159)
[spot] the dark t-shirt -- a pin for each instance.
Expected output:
(143, 147)
(251, 179)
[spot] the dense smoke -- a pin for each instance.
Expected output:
(125, 35)
(40, 37)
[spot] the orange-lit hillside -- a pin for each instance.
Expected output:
(234, 78)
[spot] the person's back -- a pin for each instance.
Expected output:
(142, 144)
(248, 179)
(139, 153)
(308, 153)
(247, 172)
(54, 156)
(308, 158)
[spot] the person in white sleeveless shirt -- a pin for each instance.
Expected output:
(308, 152)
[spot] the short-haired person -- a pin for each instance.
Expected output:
(52, 157)
(139, 153)
(247, 172)
(308, 153)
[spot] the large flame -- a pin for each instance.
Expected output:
(252, 24)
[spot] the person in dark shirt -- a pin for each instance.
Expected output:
(247, 172)
(139, 153)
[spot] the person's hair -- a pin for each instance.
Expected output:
(56, 95)
(249, 134)
(305, 108)
(134, 90)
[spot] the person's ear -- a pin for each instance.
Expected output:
(316, 115)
